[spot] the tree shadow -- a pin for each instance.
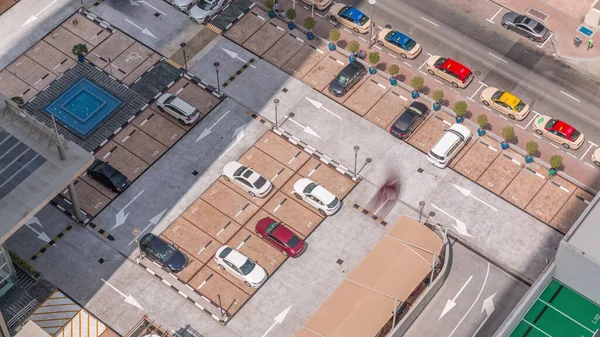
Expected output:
(382, 66)
(342, 44)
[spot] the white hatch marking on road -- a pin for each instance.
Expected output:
(564, 93)
(433, 23)
(498, 58)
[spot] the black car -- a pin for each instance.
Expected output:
(409, 120)
(108, 176)
(347, 78)
(164, 253)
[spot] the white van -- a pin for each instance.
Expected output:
(449, 145)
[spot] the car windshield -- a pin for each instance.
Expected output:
(247, 267)
(551, 123)
(363, 20)
(170, 99)
(410, 44)
(538, 28)
(293, 241)
(415, 111)
(239, 171)
(309, 188)
(520, 106)
(118, 179)
(575, 135)
(341, 79)
(203, 4)
(496, 96)
(333, 203)
(434, 155)
(271, 227)
(440, 61)
(167, 252)
(260, 182)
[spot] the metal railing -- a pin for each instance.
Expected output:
(17, 318)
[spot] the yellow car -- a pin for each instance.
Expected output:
(398, 42)
(505, 102)
(558, 131)
(350, 17)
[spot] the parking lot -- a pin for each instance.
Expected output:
(225, 214)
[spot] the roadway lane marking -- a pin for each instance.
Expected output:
(408, 64)
(319, 15)
(534, 117)
(422, 65)
(590, 165)
(498, 58)
(433, 23)
(392, 56)
(553, 145)
(440, 82)
(493, 17)
(503, 117)
(348, 30)
(564, 93)
(362, 38)
(536, 135)
(572, 155)
(476, 91)
(548, 39)
(377, 47)
(588, 150)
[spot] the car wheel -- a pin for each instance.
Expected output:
(511, 116)
(597, 163)
(284, 253)
(566, 146)
(160, 108)
(454, 84)
(252, 194)
(431, 72)
(403, 55)
(181, 121)
(539, 132)
(380, 43)
(298, 196)
(221, 267)
(248, 284)
(505, 26)
(226, 178)
(486, 103)
(333, 18)
(532, 39)
(322, 212)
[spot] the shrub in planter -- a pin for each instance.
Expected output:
(353, 47)
(394, 70)
(270, 4)
(416, 82)
(460, 108)
(373, 59)
(438, 97)
(24, 265)
(291, 15)
(532, 148)
(482, 120)
(556, 162)
(18, 100)
(79, 50)
(334, 36)
(508, 133)
(309, 23)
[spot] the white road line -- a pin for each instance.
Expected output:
(488, 109)
(548, 39)
(306, 8)
(333, 23)
(422, 65)
(446, 122)
(503, 117)
(515, 161)
(586, 151)
(493, 17)
(470, 99)
(381, 85)
(483, 83)
(348, 30)
(404, 98)
(564, 93)
(590, 165)
(440, 82)
(408, 64)
(392, 55)
(376, 46)
(311, 172)
(539, 175)
(476, 91)
(281, 29)
(498, 58)
(537, 135)
(554, 145)
(340, 62)
(592, 143)
(379, 27)
(572, 155)
(319, 15)
(276, 208)
(362, 38)
(534, 117)
(433, 23)
(474, 302)
(260, 17)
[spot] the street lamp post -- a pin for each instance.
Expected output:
(183, 44)
(276, 101)
(372, 3)
(367, 161)
(216, 64)
(421, 206)
(356, 148)
(312, 12)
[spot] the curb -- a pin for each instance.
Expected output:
(368, 213)
(51, 243)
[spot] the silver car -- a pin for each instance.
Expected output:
(525, 26)
(205, 9)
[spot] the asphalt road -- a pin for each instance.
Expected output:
(538, 78)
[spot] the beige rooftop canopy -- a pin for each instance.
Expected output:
(365, 301)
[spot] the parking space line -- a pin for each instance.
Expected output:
(408, 64)
(224, 228)
(488, 109)
(530, 121)
(203, 248)
(589, 148)
(572, 155)
(313, 170)
(503, 117)
(280, 204)
(440, 82)
(348, 30)
(242, 243)
(376, 46)
(539, 137)
(588, 164)
(433, 23)
(362, 38)
(241, 210)
(493, 17)
(446, 122)
(498, 58)
(319, 15)
(489, 146)
(294, 157)
(548, 39)
(476, 91)
(470, 99)
(422, 65)
(394, 56)
(512, 159)
(564, 93)
(553, 145)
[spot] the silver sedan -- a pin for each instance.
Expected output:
(525, 26)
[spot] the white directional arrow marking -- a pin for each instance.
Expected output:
(144, 30)
(121, 216)
(319, 105)
(40, 235)
(306, 129)
(149, 5)
(207, 131)
(235, 55)
(128, 299)
(34, 17)
(451, 303)
(467, 193)
(238, 134)
(488, 307)
(460, 226)
(487, 273)
(278, 320)
(153, 222)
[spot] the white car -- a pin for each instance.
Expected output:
(596, 157)
(178, 108)
(183, 5)
(240, 266)
(316, 196)
(255, 184)
(449, 145)
(205, 9)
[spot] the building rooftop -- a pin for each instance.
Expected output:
(584, 234)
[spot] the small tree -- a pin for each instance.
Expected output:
(460, 108)
(508, 133)
(437, 95)
(531, 147)
(309, 23)
(79, 49)
(416, 82)
(291, 14)
(270, 4)
(373, 57)
(482, 120)
(334, 35)
(394, 70)
(556, 161)
(353, 46)
(18, 100)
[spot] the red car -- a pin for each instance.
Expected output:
(281, 237)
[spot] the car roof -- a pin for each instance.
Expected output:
(445, 143)
(456, 68)
(510, 99)
(183, 105)
(323, 194)
(351, 69)
(282, 233)
(157, 244)
(353, 13)
(564, 128)
(236, 258)
(400, 38)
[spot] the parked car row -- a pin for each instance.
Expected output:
(200, 11)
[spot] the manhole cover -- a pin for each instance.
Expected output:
(537, 13)
(477, 72)
(136, 231)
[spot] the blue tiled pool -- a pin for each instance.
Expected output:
(83, 107)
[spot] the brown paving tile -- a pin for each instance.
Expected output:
(261, 214)
(239, 190)
(525, 185)
(121, 159)
(211, 220)
(267, 166)
(331, 179)
(233, 281)
(305, 60)
(136, 141)
(11, 86)
(247, 26)
(173, 120)
(387, 109)
(128, 61)
(86, 29)
(50, 57)
(502, 171)
(257, 249)
(232, 297)
(282, 150)
(549, 200)
(478, 158)
(99, 187)
(64, 41)
(194, 95)
(91, 201)
(320, 76)
(265, 37)
(284, 49)
(292, 213)
(5, 5)
(110, 48)
(158, 127)
(32, 73)
(141, 69)
(430, 131)
(369, 93)
(229, 202)
(190, 238)
(571, 210)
